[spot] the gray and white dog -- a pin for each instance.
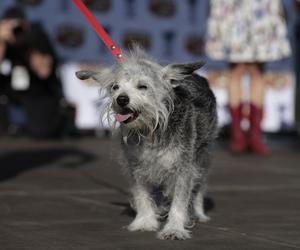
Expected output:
(168, 123)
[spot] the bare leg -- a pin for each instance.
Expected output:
(146, 219)
(234, 86)
(257, 86)
(178, 214)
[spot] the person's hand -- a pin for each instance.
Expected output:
(6, 30)
(41, 64)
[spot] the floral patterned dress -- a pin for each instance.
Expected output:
(247, 31)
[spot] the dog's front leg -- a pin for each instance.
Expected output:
(146, 218)
(178, 214)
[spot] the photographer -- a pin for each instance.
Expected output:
(30, 92)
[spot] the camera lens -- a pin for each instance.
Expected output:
(18, 30)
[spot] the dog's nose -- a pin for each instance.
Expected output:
(123, 100)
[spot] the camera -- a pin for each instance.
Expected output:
(18, 29)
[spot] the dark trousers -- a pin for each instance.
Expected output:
(44, 117)
(3, 114)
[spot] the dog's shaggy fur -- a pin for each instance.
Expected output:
(168, 123)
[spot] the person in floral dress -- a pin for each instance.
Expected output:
(247, 34)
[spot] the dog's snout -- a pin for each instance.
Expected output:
(123, 100)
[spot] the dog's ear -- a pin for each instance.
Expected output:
(188, 68)
(86, 74)
(174, 73)
(101, 77)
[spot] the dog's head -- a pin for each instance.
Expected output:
(140, 91)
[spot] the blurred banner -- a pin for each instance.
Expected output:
(170, 30)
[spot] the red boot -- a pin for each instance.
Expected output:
(238, 141)
(255, 137)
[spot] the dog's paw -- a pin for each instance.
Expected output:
(203, 218)
(144, 224)
(174, 234)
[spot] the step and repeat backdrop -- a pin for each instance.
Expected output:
(170, 30)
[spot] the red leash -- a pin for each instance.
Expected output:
(114, 49)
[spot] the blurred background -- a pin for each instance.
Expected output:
(170, 31)
(60, 181)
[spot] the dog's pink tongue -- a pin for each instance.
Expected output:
(122, 118)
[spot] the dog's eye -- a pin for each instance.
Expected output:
(115, 87)
(142, 87)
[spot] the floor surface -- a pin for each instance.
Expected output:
(71, 194)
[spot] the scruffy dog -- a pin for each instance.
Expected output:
(168, 122)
